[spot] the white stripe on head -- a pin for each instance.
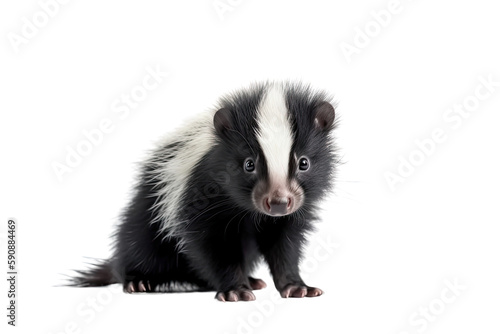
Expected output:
(275, 133)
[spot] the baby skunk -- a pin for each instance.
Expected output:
(239, 182)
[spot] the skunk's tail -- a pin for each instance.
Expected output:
(99, 274)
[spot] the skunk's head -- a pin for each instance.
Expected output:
(276, 147)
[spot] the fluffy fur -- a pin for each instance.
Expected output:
(238, 183)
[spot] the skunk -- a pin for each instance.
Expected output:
(238, 183)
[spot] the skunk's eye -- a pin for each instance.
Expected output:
(249, 165)
(303, 164)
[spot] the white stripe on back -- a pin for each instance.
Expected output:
(197, 138)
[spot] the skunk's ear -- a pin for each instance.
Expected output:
(222, 121)
(324, 115)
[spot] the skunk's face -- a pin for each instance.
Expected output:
(279, 195)
(279, 151)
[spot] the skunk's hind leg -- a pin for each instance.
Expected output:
(159, 269)
(141, 286)
(155, 285)
(164, 283)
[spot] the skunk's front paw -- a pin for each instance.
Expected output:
(300, 291)
(235, 295)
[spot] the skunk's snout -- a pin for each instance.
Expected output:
(277, 201)
(278, 206)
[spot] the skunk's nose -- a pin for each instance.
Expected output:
(278, 206)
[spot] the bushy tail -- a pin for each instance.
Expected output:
(99, 274)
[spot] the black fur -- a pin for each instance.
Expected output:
(224, 236)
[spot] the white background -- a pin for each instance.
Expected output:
(381, 255)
